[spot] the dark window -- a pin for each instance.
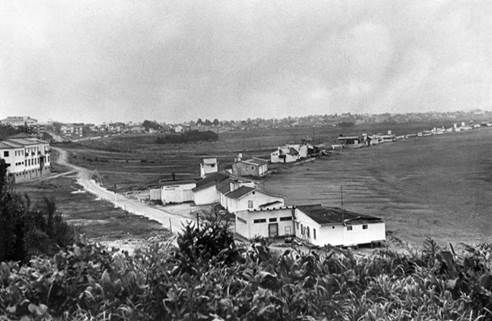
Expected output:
(302, 229)
(260, 220)
(364, 227)
(274, 219)
(6, 153)
(287, 218)
(314, 233)
(349, 228)
(307, 231)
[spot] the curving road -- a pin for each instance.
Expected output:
(173, 222)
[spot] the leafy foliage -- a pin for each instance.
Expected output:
(25, 231)
(206, 277)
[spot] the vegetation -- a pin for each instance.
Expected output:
(25, 231)
(149, 124)
(7, 130)
(188, 137)
(206, 277)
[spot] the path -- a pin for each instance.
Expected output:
(174, 222)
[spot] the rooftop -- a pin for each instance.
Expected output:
(240, 192)
(334, 215)
(255, 161)
(209, 161)
(210, 180)
(20, 142)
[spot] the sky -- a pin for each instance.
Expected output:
(172, 61)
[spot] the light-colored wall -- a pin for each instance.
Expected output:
(258, 198)
(338, 234)
(207, 195)
(177, 193)
(246, 227)
(374, 232)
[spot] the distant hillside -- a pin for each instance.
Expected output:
(188, 137)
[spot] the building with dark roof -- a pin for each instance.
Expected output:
(205, 191)
(321, 225)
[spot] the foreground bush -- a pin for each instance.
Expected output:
(27, 230)
(198, 281)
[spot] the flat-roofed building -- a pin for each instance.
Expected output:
(26, 158)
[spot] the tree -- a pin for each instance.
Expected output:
(216, 122)
(148, 124)
(199, 122)
(208, 122)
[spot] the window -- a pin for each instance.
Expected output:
(250, 204)
(297, 225)
(302, 229)
(286, 218)
(364, 227)
(314, 233)
(6, 153)
(273, 219)
(307, 231)
(260, 220)
(349, 228)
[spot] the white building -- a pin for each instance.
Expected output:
(205, 191)
(253, 167)
(322, 226)
(26, 158)
(208, 166)
(289, 153)
(265, 223)
(173, 192)
(246, 197)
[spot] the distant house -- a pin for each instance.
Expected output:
(26, 158)
(19, 121)
(265, 223)
(289, 153)
(351, 141)
(205, 191)
(247, 197)
(208, 166)
(253, 167)
(322, 226)
(177, 191)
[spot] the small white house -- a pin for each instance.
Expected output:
(205, 191)
(246, 197)
(322, 226)
(177, 192)
(208, 166)
(265, 223)
(289, 153)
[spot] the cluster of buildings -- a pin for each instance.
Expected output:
(26, 158)
(260, 214)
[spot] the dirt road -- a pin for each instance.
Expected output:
(173, 222)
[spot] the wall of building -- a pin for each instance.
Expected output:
(256, 198)
(358, 235)
(302, 224)
(206, 196)
(250, 224)
(177, 193)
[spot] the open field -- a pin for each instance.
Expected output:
(97, 219)
(439, 186)
(134, 162)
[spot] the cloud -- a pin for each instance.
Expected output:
(178, 60)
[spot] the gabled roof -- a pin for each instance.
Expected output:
(270, 204)
(335, 215)
(224, 187)
(210, 180)
(240, 192)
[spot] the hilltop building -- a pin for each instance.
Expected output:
(26, 158)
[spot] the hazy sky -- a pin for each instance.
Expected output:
(102, 60)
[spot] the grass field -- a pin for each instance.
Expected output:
(96, 219)
(126, 163)
(437, 186)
